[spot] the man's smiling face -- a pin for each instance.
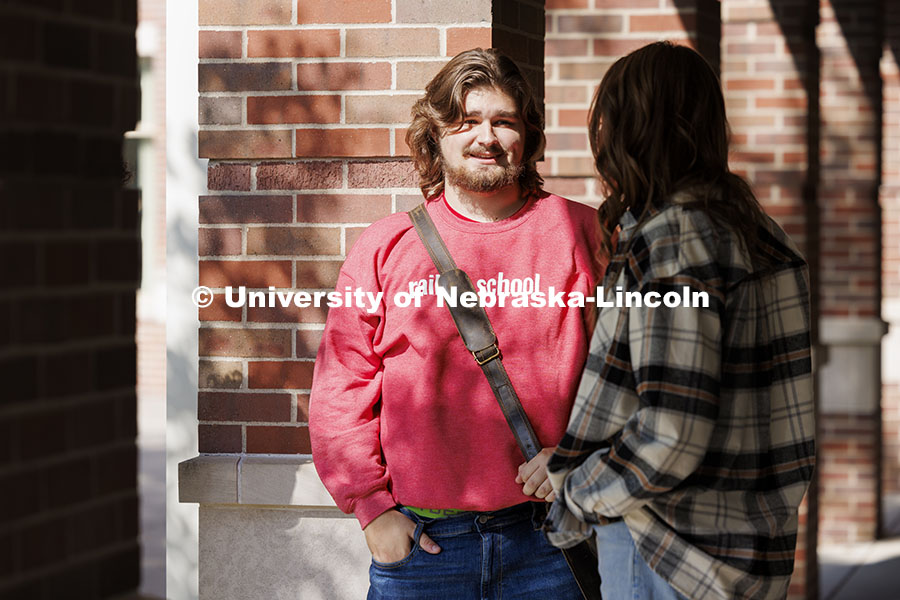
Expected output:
(485, 153)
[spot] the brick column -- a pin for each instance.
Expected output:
(70, 246)
(890, 244)
(766, 69)
(584, 37)
(303, 112)
(769, 76)
(850, 43)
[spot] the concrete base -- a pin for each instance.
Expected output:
(269, 529)
(890, 344)
(281, 554)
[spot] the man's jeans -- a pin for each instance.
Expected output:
(484, 556)
(625, 574)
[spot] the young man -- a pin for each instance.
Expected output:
(406, 432)
(692, 439)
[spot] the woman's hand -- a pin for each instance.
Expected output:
(533, 476)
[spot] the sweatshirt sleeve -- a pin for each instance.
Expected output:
(344, 420)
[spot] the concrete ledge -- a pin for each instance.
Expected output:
(851, 331)
(285, 481)
(208, 479)
(253, 480)
(849, 381)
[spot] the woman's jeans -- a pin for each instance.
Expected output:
(484, 556)
(624, 573)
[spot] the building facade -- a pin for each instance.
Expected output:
(302, 112)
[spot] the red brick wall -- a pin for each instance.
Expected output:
(584, 37)
(890, 406)
(890, 241)
(764, 69)
(69, 240)
(303, 112)
(847, 477)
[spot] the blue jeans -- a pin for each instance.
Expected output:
(624, 573)
(484, 556)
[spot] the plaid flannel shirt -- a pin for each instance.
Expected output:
(696, 425)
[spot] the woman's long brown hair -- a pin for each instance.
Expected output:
(658, 127)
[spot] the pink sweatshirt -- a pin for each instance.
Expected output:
(400, 413)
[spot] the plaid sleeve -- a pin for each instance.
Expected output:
(657, 392)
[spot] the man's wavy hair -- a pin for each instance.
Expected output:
(658, 127)
(443, 108)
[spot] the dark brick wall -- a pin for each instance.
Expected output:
(69, 238)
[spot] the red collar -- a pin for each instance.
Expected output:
(464, 218)
(454, 213)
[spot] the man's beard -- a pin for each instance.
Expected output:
(484, 179)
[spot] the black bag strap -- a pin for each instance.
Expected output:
(478, 335)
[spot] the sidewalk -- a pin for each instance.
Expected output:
(865, 571)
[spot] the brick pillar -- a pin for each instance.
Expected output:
(303, 113)
(765, 70)
(850, 43)
(518, 29)
(584, 37)
(70, 246)
(890, 244)
(769, 76)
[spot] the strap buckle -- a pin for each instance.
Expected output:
(495, 354)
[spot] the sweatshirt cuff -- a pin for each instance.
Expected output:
(367, 508)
